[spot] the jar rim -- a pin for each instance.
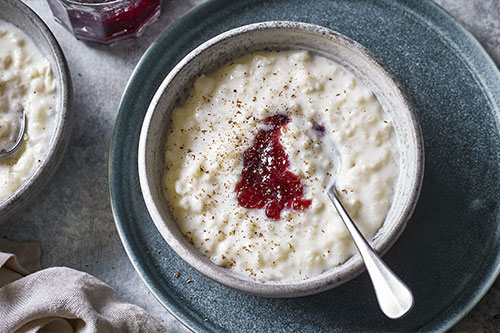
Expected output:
(92, 4)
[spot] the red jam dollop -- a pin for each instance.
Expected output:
(265, 180)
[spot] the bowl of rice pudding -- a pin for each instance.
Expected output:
(34, 77)
(235, 157)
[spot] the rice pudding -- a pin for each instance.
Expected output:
(248, 162)
(26, 82)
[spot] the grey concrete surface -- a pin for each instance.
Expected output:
(72, 219)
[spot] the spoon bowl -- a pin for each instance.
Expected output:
(9, 151)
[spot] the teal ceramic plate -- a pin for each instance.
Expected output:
(449, 252)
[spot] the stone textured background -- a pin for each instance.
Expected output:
(72, 218)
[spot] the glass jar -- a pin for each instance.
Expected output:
(105, 21)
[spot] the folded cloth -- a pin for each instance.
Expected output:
(61, 299)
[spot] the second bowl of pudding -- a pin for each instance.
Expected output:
(235, 156)
(34, 80)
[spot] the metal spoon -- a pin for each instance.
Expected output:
(393, 295)
(7, 152)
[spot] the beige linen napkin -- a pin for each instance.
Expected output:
(60, 299)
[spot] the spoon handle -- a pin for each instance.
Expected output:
(394, 297)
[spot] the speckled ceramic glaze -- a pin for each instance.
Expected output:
(449, 253)
(278, 36)
(24, 18)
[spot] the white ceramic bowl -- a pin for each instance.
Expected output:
(20, 15)
(280, 36)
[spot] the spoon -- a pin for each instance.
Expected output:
(7, 152)
(393, 295)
